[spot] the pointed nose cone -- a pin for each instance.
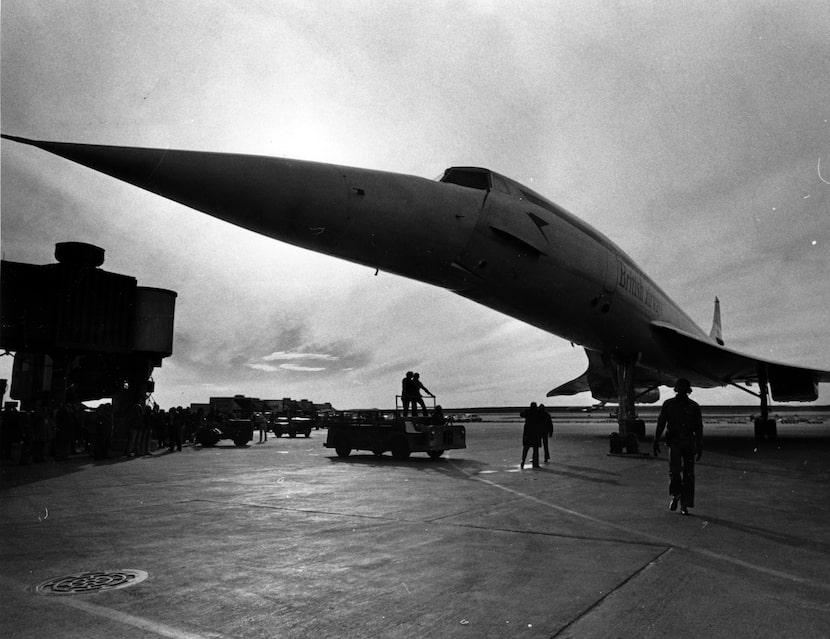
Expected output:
(400, 223)
(273, 196)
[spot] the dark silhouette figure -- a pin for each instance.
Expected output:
(11, 430)
(532, 433)
(134, 415)
(547, 429)
(101, 431)
(417, 387)
(175, 431)
(682, 419)
(407, 393)
(438, 418)
(258, 422)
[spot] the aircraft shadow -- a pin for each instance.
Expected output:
(776, 537)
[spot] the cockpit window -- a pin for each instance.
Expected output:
(471, 178)
(500, 184)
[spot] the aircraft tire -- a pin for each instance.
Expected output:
(772, 430)
(760, 429)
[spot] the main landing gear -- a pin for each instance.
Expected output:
(765, 428)
(627, 416)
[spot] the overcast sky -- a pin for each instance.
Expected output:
(696, 135)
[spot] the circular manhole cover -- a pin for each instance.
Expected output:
(92, 581)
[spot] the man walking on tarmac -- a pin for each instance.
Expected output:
(681, 418)
(547, 429)
(532, 433)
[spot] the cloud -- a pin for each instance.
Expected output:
(295, 367)
(283, 355)
(269, 368)
(292, 356)
(264, 367)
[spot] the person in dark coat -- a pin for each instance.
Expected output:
(417, 387)
(407, 393)
(102, 431)
(10, 430)
(682, 419)
(532, 433)
(547, 429)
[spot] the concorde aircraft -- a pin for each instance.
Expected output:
(482, 236)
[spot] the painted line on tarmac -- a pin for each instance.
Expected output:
(805, 581)
(160, 629)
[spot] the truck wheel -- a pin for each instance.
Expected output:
(435, 454)
(342, 451)
(241, 441)
(308, 434)
(377, 452)
(292, 434)
(208, 437)
(400, 448)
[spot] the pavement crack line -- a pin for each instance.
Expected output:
(611, 592)
(596, 538)
(438, 521)
(654, 539)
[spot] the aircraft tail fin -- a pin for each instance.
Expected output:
(716, 334)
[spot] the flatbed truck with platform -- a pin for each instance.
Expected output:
(378, 433)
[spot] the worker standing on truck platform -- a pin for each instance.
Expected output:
(407, 393)
(417, 386)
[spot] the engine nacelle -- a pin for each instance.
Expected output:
(792, 385)
(604, 391)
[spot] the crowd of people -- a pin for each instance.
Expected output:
(32, 436)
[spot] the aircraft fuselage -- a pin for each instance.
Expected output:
(475, 232)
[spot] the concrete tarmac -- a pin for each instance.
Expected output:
(284, 539)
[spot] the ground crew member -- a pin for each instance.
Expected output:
(532, 433)
(408, 394)
(547, 430)
(681, 418)
(417, 387)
